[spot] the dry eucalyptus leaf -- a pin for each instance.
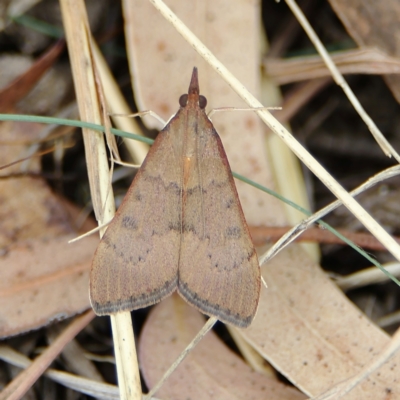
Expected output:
(161, 63)
(29, 210)
(306, 327)
(373, 24)
(210, 371)
(43, 280)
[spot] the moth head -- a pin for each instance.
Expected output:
(193, 92)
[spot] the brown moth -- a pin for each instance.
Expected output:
(180, 227)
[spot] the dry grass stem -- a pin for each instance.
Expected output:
(79, 46)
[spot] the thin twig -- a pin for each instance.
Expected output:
(297, 230)
(265, 234)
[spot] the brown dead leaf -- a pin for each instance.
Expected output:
(305, 327)
(28, 207)
(373, 24)
(29, 210)
(43, 278)
(210, 371)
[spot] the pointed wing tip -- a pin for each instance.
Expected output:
(194, 82)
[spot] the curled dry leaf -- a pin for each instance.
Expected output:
(210, 371)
